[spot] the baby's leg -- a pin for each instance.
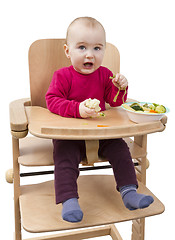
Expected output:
(117, 153)
(67, 156)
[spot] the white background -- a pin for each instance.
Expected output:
(143, 31)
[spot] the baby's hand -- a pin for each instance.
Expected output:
(86, 112)
(120, 81)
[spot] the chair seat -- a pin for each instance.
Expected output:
(99, 200)
(39, 152)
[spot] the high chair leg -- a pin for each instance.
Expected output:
(16, 184)
(138, 225)
(138, 229)
(141, 169)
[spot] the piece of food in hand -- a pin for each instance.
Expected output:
(93, 104)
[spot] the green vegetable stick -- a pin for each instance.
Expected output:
(116, 96)
(124, 96)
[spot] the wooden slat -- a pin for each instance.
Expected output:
(84, 234)
(77, 235)
(92, 147)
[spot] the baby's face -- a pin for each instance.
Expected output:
(85, 47)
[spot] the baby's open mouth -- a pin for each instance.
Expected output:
(88, 64)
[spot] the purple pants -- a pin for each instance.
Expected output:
(69, 153)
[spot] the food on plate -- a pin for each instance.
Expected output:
(137, 107)
(145, 108)
(158, 108)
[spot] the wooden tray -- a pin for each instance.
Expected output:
(115, 124)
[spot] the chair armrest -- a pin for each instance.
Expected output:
(18, 118)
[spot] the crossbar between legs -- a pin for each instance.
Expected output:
(110, 230)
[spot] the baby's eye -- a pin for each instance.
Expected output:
(81, 47)
(97, 48)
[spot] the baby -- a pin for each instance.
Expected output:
(67, 95)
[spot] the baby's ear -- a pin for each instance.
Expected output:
(66, 50)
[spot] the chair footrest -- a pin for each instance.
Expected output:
(99, 200)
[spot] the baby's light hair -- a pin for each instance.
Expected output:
(88, 21)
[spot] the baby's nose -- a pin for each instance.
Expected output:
(89, 54)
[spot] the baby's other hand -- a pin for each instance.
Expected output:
(120, 81)
(86, 112)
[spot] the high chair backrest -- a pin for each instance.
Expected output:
(47, 55)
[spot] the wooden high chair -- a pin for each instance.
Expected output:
(34, 205)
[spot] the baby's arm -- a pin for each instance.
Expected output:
(57, 96)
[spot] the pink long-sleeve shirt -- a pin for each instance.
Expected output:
(68, 88)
